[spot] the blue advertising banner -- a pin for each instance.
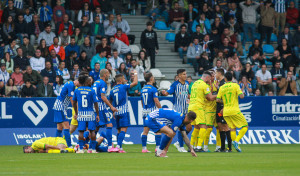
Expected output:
(271, 119)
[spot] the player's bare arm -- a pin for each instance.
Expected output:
(187, 142)
(157, 103)
(103, 97)
(97, 111)
(75, 109)
(135, 80)
(210, 97)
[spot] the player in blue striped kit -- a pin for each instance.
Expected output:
(150, 102)
(180, 91)
(118, 97)
(84, 100)
(168, 121)
(100, 88)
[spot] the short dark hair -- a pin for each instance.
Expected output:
(228, 76)
(119, 29)
(114, 50)
(83, 73)
(207, 73)
(82, 79)
(189, 77)
(263, 65)
(191, 115)
(149, 23)
(148, 76)
(221, 70)
(179, 71)
(183, 26)
(26, 146)
(198, 26)
(118, 76)
(112, 37)
(133, 60)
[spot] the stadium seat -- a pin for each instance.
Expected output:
(257, 35)
(268, 49)
(134, 49)
(156, 73)
(170, 37)
(164, 85)
(273, 38)
(161, 25)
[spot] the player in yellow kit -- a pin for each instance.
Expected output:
(200, 94)
(48, 145)
(228, 94)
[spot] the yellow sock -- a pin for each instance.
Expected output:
(201, 136)
(53, 151)
(194, 136)
(241, 134)
(218, 138)
(207, 135)
(70, 150)
(233, 135)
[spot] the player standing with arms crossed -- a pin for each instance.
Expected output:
(150, 103)
(100, 88)
(118, 97)
(84, 112)
(180, 91)
(228, 95)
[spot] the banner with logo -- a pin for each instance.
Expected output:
(23, 120)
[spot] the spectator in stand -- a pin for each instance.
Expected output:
(257, 93)
(47, 35)
(152, 9)
(99, 14)
(10, 10)
(122, 36)
(204, 24)
(85, 27)
(207, 46)
(298, 84)
(35, 28)
(249, 19)
(84, 62)
(9, 30)
(198, 33)
(267, 15)
(219, 64)
(203, 63)
(28, 90)
(65, 24)
(205, 9)
(28, 15)
(95, 73)
(217, 24)
(144, 61)
(27, 48)
(226, 48)
(11, 48)
(110, 27)
(37, 62)
(278, 75)
(218, 12)
(2, 89)
(292, 15)
(280, 10)
(128, 59)
(230, 36)
(79, 39)
(264, 80)
(64, 38)
(49, 72)
(288, 86)
(189, 16)
(140, 71)
(45, 89)
(21, 28)
(234, 28)
(105, 46)
(286, 53)
(111, 79)
(54, 59)
(59, 50)
(220, 56)
(45, 13)
(182, 41)
(58, 85)
(105, 6)
(8, 62)
(176, 17)
(99, 58)
(234, 12)
(255, 47)
(4, 75)
(247, 71)
(75, 72)
(124, 26)
(277, 58)
(122, 70)
(88, 47)
(115, 60)
(72, 47)
(97, 30)
(296, 38)
(193, 54)
(86, 11)
(190, 80)
(149, 43)
(70, 61)
(245, 86)
(11, 90)
(17, 77)
(215, 38)
(255, 61)
(21, 61)
(287, 35)
(74, 6)
(136, 90)
(120, 46)
(58, 12)
(33, 76)
(164, 9)
(235, 65)
(62, 71)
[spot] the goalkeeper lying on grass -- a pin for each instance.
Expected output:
(48, 145)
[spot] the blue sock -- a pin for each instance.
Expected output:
(121, 138)
(157, 140)
(102, 149)
(86, 136)
(67, 137)
(103, 134)
(118, 137)
(81, 143)
(164, 142)
(109, 135)
(180, 139)
(144, 140)
(58, 133)
(93, 143)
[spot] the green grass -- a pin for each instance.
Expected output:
(255, 160)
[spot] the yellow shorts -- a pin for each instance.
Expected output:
(236, 121)
(200, 119)
(60, 140)
(73, 121)
(210, 118)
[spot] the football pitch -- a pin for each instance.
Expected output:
(255, 160)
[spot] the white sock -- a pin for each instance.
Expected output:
(205, 146)
(157, 147)
(159, 151)
(193, 146)
(218, 147)
(118, 146)
(199, 147)
(144, 148)
(109, 147)
(181, 147)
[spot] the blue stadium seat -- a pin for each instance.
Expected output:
(273, 38)
(161, 25)
(268, 49)
(170, 37)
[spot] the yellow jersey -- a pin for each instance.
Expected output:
(211, 106)
(199, 90)
(41, 143)
(229, 93)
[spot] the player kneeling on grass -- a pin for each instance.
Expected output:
(48, 145)
(168, 121)
(84, 112)
(101, 145)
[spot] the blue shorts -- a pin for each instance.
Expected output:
(154, 125)
(59, 117)
(91, 125)
(122, 120)
(104, 118)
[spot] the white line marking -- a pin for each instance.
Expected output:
(16, 138)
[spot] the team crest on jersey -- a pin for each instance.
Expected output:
(72, 93)
(103, 89)
(181, 115)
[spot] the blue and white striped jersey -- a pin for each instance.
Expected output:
(148, 94)
(100, 87)
(279, 6)
(63, 100)
(85, 97)
(180, 95)
(118, 96)
(169, 117)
